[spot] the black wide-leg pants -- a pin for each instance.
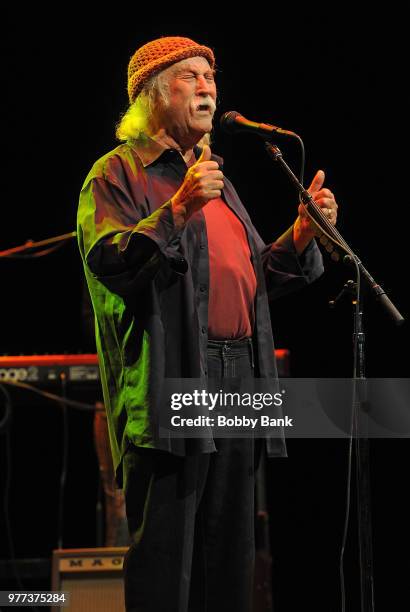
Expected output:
(192, 518)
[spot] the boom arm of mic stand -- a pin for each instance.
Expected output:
(328, 230)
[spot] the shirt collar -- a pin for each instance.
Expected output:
(148, 150)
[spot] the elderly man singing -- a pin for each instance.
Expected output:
(179, 279)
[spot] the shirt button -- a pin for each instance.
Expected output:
(202, 246)
(206, 372)
(202, 288)
(203, 329)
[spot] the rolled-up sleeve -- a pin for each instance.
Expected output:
(285, 270)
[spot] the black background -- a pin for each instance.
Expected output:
(338, 80)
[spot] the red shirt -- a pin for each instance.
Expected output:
(232, 285)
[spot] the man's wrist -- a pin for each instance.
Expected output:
(179, 214)
(302, 235)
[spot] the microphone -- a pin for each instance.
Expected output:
(233, 122)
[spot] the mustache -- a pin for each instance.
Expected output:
(207, 102)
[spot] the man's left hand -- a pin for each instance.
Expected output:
(323, 198)
(304, 228)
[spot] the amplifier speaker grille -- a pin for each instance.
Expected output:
(92, 577)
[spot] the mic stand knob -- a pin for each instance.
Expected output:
(349, 288)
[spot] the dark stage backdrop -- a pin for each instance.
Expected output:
(337, 80)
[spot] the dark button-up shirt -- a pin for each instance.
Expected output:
(147, 282)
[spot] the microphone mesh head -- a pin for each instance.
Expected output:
(227, 121)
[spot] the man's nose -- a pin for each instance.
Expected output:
(203, 86)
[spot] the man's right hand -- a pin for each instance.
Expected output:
(203, 182)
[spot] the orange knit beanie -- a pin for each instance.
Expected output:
(158, 55)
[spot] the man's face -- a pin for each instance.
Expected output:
(191, 100)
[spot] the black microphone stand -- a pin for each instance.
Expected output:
(328, 231)
(337, 247)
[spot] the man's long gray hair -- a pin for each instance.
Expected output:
(138, 116)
